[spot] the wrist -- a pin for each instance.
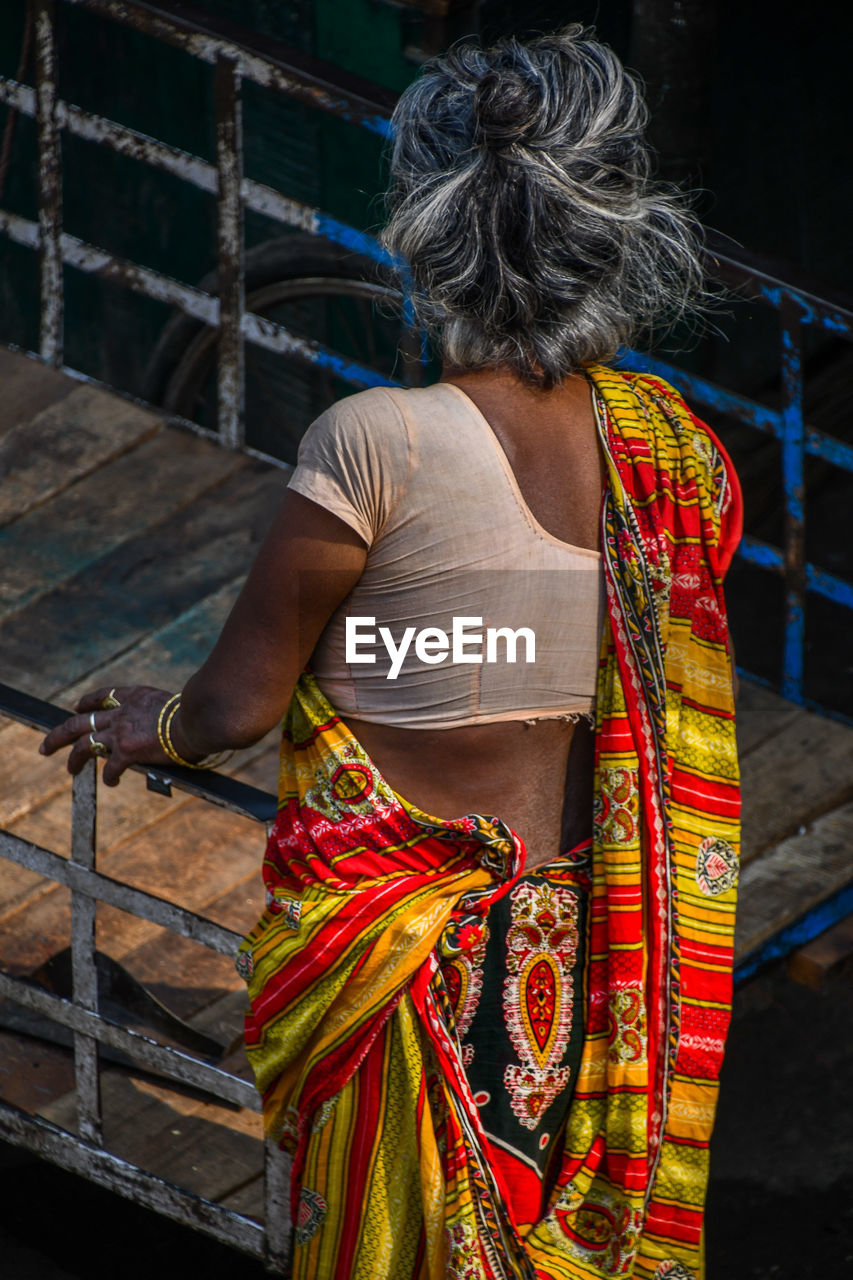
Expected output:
(176, 744)
(182, 743)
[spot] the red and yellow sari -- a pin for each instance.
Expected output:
(364, 968)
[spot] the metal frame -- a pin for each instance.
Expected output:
(797, 307)
(86, 1153)
(797, 933)
(234, 58)
(233, 63)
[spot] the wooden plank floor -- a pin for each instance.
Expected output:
(123, 543)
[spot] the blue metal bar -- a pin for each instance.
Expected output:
(761, 554)
(765, 281)
(349, 238)
(813, 311)
(827, 447)
(826, 584)
(704, 392)
(711, 396)
(358, 375)
(818, 580)
(793, 482)
(797, 934)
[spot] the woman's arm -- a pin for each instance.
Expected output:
(308, 563)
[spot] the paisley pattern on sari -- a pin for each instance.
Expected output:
(378, 915)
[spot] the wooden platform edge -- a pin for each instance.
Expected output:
(77, 1156)
(826, 954)
(828, 913)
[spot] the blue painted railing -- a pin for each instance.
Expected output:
(811, 924)
(799, 308)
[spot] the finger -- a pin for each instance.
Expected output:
(64, 734)
(92, 700)
(80, 755)
(75, 727)
(95, 698)
(114, 767)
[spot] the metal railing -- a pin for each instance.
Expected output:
(797, 309)
(233, 64)
(85, 1152)
(321, 88)
(235, 61)
(325, 90)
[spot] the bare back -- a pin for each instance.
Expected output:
(520, 772)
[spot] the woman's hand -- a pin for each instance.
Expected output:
(308, 564)
(128, 733)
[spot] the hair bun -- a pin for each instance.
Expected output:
(504, 109)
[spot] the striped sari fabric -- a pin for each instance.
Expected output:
(389, 935)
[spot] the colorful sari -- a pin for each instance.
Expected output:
(366, 968)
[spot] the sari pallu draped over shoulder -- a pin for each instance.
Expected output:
(350, 1034)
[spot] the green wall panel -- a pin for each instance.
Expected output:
(364, 37)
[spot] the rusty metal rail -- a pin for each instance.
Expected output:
(85, 1152)
(237, 56)
(233, 63)
(798, 307)
(263, 60)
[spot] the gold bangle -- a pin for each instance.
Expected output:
(165, 746)
(167, 714)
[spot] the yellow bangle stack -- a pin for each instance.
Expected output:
(167, 714)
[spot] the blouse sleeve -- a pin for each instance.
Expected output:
(354, 461)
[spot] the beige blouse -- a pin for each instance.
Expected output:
(455, 552)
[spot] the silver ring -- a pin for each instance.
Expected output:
(92, 724)
(97, 748)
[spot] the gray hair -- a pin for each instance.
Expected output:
(521, 196)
